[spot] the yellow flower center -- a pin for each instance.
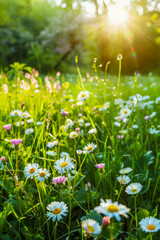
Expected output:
(64, 164)
(122, 131)
(64, 155)
(151, 227)
(134, 190)
(112, 208)
(29, 131)
(125, 112)
(125, 171)
(74, 135)
(57, 211)
(90, 229)
(32, 170)
(16, 113)
(83, 95)
(42, 174)
(89, 148)
(24, 115)
(123, 181)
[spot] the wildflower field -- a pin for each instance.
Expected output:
(79, 155)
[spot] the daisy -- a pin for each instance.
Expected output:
(79, 152)
(39, 123)
(64, 155)
(16, 113)
(89, 148)
(150, 224)
(64, 164)
(123, 179)
(42, 174)
(30, 121)
(60, 179)
(112, 209)
(83, 95)
(52, 144)
(20, 123)
(125, 170)
(29, 131)
(51, 153)
(92, 131)
(133, 188)
(70, 123)
(73, 134)
(91, 227)
(31, 170)
(56, 210)
(25, 115)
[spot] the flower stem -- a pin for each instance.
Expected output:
(111, 230)
(135, 206)
(151, 236)
(119, 193)
(16, 162)
(69, 224)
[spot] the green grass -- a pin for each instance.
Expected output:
(21, 218)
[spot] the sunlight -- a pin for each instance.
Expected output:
(117, 15)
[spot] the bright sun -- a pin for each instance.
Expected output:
(117, 15)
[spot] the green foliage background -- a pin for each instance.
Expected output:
(47, 36)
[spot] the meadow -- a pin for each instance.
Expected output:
(79, 155)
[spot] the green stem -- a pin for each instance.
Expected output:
(151, 236)
(119, 192)
(69, 224)
(111, 230)
(16, 162)
(119, 76)
(135, 206)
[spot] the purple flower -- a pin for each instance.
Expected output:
(120, 136)
(7, 127)
(63, 112)
(16, 141)
(60, 179)
(100, 166)
(146, 118)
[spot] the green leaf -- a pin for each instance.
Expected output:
(142, 213)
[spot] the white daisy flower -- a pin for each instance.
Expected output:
(50, 144)
(42, 174)
(64, 164)
(150, 224)
(29, 131)
(117, 124)
(56, 210)
(87, 124)
(51, 153)
(92, 131)
(30, 121)
(133, 188)
(89, 148)
(70, 123)
(25, 115)
(64, 155)
(91, 227)
(153, 131)
(123, 131)
(111, 209)
(39, 123)
(125, 112)
(79, 152)
(83, 95)
(123, 179)
(73, 134)
(31, 170)
(16, 113)
(125, 170)
(20, 123)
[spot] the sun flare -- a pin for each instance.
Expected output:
(117, 15)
